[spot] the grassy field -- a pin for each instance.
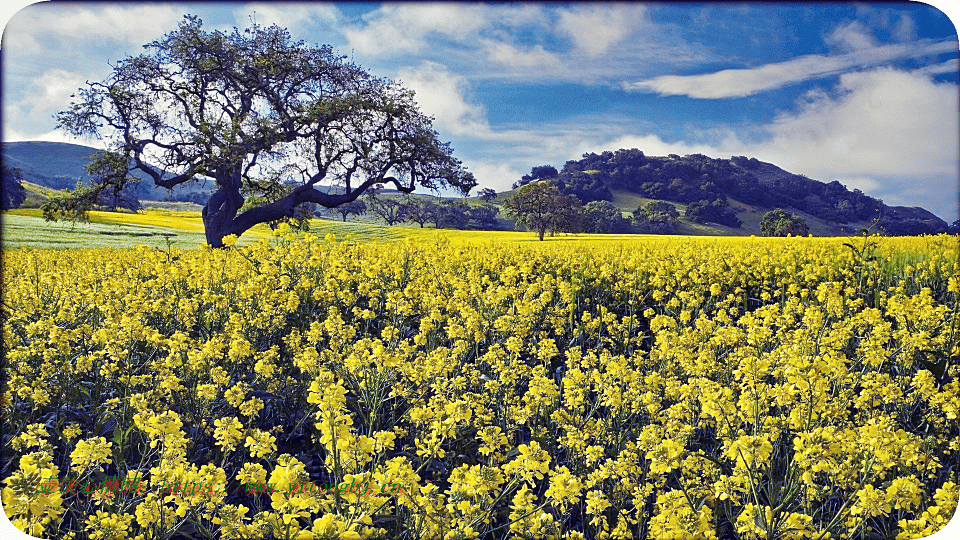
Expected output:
(158, 228)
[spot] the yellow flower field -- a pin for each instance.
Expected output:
(631, 388)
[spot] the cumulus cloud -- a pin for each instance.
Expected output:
(596, 28)
(890, 127)
(130, 24)
(887, 132)
(731, 83)
(443, 95)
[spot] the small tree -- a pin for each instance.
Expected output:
(13, 192)
(484, 216)
(112, 181)
(487, 194)
(603, 217)
(537, 173)
(110, 188)
(779, 222)
(656, 217)
(715, 211)
(663, 208)
(454, 214)
(353, 207)
(541, 207)
(419, 210)
(391, 211)
(253, 109)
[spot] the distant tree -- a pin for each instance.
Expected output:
(656, 217)
(13, 192)
(603, 217)
(779, 222)
(537, 173)
(356, 208)
(390, 211)
(541, 207)
(954, 227)
(487, 194)
(253, 107)
(484, 216)
(454, 214)
(664, 208)
(716, 211)
(419, 210)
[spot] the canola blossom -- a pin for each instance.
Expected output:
(710, 388)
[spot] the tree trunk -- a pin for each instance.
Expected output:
(540, 233)
(220, 211)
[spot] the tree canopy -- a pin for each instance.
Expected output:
(253, 110)
(541, 207)
(779, 222)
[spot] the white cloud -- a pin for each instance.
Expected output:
(496, 174)
(128, 24)
(506, 54)
(905, 29)
(950, 66)
(48, 93)
(52, 90)
(393, 30)
(853, 36)
(442, 94)
(595, 28)
(730, 83)
(586, 44)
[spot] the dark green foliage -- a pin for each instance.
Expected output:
(72, 206)
(779, 222)
(487, 194)
(604, 217)
(661, 208)
(454, 214)
(702, 181)
(657, 217)
(715, 211)
(541, 207)
(537, 173)
(111, 188)
(13, 192)
(483, 216)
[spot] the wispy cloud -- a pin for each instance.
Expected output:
(582, 43)
(734, 83)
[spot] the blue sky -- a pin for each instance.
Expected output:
(861, 93)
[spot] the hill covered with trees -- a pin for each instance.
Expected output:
(708, 186)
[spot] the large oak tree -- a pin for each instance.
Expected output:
(254, 110)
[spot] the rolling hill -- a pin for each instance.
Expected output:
(729, 188)
(56, 166)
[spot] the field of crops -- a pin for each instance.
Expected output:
(309, 387)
